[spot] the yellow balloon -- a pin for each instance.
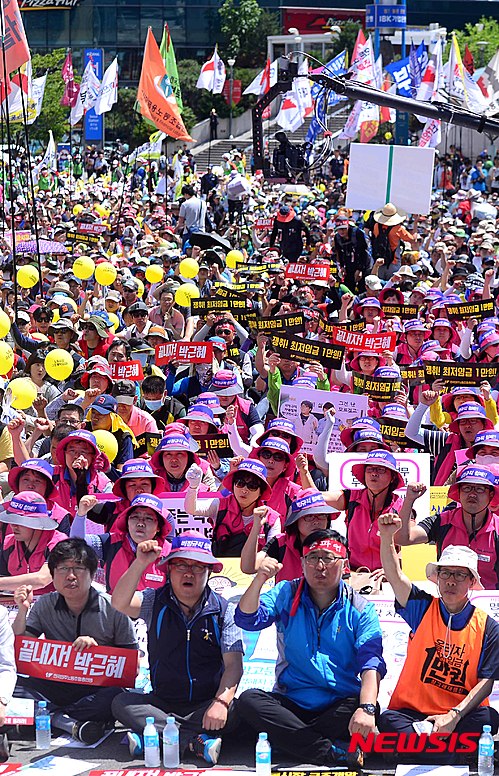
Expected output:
(154, 273)
(105, 273)
(141, 289)
(4, 324)
(344, 178)
(107, 443)
(388, 135)
(6, 358)
(188, 268)
(77, 210)
(23, 393)
(59, 364)
(185, 293)
(83, 267)
(114, 320)
(27, 277)
(232, 258)
(102, 211)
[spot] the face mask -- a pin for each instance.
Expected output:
(486, 460)
(153, 405)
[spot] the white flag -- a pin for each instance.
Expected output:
(108, 91)
(258, 85)
(37, 92)
(352, 123)
(49, 160)
(212, 75)
(301, 90)
(150, 150)
(89, 89)
(290, 116)
(491, 75)
(431, 135)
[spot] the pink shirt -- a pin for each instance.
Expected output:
(174, 318)
(141, 422)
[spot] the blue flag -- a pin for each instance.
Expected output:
(315, 129)
(415, 70)
(400, 70)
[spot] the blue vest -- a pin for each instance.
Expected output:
(185, 660)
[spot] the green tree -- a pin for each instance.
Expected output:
(53, 115)
(481, 38)
(245, 26)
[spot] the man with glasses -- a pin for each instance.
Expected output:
(141, 323)
(330, 657)
(453, 653)
(195, 649)
(76, 613)
(473, 522)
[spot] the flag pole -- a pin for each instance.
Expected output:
(3, 83)
(3, 167)
(31, 183)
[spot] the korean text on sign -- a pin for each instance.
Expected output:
(184, 352)
(58, 661)
(127, 370)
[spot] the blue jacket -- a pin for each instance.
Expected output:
(321, 657)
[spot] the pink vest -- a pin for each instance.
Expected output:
(447, 465)
(67, 501)
(229, 521)
(284, 491)
(17, 563)
(363, 536)
(291, 562)
(121, 557)
(161, 472)
(484, 543)
(242, 405)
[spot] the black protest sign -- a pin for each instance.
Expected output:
(461, 374)
(257, 268)
(72, 237)
(393, 430)
(304, 351)
(329, 327)
(484, 308)
(377, 388)
(406, 312)
(291, 322)
(147, 443)
(412, 373)
(219, 443)
(237, 306)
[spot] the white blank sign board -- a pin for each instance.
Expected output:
(386, 173)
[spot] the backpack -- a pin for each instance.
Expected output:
(380, 244)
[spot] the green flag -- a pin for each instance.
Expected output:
(168, 55)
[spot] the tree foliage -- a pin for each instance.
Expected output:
(53, 115)
(245, 27)
(481, 38)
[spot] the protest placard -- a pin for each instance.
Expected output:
(390, 167)
(236, 305)
(147, 443)
(88, 239)
(307, 407)
(354, 340)
(377, 388)
(264, 223)
(412, 373)
(291, 322)
(393, 430)
(402, 311)
(484, 308)
(127, 370)
(454, 373)
(328, 327)
(304, 351)
(184, 353)
(268, 266)
(59, 662)
(299, 271)
(175, 503)
(219, 443)
(20, 711)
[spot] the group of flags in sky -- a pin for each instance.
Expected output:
(421, 75)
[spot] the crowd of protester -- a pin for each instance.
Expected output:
(71, 497)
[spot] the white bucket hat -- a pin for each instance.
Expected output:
(456, 556)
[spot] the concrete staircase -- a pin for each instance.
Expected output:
(202, 152)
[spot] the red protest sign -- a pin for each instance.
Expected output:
(356, 340)
(264, 223)
(57, 661)
(84, 228)
(236, 91)
(320, 271)
(127, 370)
(184, 353)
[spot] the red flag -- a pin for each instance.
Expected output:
(16, 44)
(468, 60)
(361, 41)
(368, 130)
(155, 94)
(71, 89)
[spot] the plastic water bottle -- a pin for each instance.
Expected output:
(151, 744)
(263, 755)
(42, 726)
(486, 753)
(171, 756)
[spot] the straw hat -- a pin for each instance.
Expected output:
(389, 215)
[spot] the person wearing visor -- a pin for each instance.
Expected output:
(195, 649)
(308, 513)
(146, 518)
(380, 478)
(232, 516)
(23, 556)
(472, 522)
(453, 652)
(327, 685)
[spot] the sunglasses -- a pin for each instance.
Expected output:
(139, 315)
(251, 483)
(223, 331)
(43, 319)
(87, 327)
(268, 455)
